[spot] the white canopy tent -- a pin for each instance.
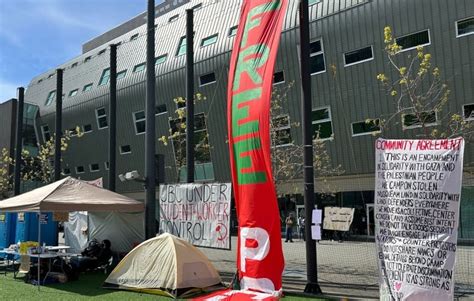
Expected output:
(68, 195)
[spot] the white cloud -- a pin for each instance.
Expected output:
(7, 90)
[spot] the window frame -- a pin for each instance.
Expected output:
(316, 2)
(43, 132)
(279, 83)
(173, 18)
(365, 133)
(419, 126)
(414, 47)
(89, 86)
(472, 113)
(103, 76)
(134, 37)
(106, 165)
(211, 38)
(72, 91)
(135, 120)
(79, 172)
(139, 66)
(84, 128)
(209, 83)
(229, 33)
(157, 62)
(125, 153)
(358, 62)
(66, 173)
(320, 39)
(50, 98)
(95, 170)
(457, 30)
(161, 113)
(180, 45)
(119, 74)
(286, 127)
(97, 118)
(87, 59)
(322, 121)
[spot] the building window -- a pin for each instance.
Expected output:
(87, 128)
(139, 121)
(202, 153)
(160, 109)
(87, 87)
(322, 123)
(106, 165)
(313, 2)
(278, 77)
(411, 121)
(80, 169)
(125, 149)
(121, 74)
(87, 59)
(74, 65)
(134, 37)
(101, 118)
(181, 46)
(73, 132)
(468, 112)
(367, 127)
(316, 61)
(207, 79)
(414, 40)
(233, 31)
(94, 167)
(209, 40)
(173, 18)
(465, 27)
(281, 130)
(197, 7)
(358, 56)
(101, 52)
(139, 67)
(51, 75)
(73, 93)
(161, 59)
(66, 171)
(40, 80)
(104, 79)
(51, 97)
(45, 132)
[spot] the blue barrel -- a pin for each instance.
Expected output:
(27, 228)
(7, 229)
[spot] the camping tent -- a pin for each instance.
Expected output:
(70, 194)
(164, 265)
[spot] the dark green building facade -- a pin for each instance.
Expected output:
(347, 53)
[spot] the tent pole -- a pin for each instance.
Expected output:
(39, 244)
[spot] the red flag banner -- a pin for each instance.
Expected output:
(230, 295)
(259, 255)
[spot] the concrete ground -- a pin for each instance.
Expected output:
(347, 269)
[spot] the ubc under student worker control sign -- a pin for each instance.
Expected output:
(197, 213)
(417, 195)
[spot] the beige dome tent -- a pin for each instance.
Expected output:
(164, 265)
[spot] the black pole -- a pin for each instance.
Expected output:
(19, 140)
(113, 116)
(59, 113)
(190, 95)
(312, 285)
(150, 221)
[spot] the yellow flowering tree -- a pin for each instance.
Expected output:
(177, 134)
(419, 93)
(33, 168)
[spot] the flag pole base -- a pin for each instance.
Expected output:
(313, 288)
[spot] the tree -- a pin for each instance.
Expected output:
(33, 168)
(177, 136)
(420, 95)
(287, 156)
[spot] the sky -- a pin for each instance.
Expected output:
(38, 35)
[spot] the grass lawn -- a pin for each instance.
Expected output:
(86, 288)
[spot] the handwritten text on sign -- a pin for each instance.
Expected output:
(198, 213)
(336, 218)
(417, 194)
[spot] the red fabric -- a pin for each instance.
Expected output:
(230, 295)
(251, 70)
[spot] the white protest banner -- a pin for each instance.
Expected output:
(417, 195)
(198, 213)
(338, 218)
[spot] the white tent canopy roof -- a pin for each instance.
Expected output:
(70, 194)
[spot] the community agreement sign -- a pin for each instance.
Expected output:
(198, 213)
(337, 218)
(417, 195)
